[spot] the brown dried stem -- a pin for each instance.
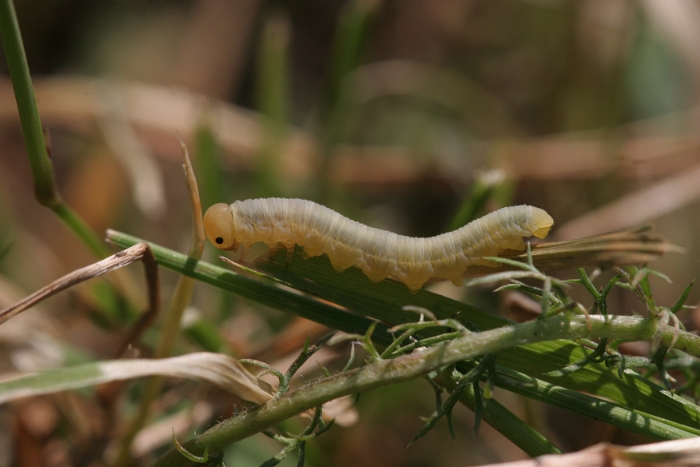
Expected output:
(634, 246)
(139, 252)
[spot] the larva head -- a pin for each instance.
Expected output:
(540, 222)
(220, 228)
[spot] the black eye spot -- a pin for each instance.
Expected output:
(219, 240)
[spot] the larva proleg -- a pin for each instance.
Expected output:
(378, 253)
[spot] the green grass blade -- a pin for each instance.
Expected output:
(273, 101)
(629, 419)
(44, 186)
(208, 164)
(473, 205)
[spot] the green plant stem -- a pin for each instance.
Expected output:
(208, 165)
(44, 187)
(42, 170)
(76, 223)
(415, 365)
(273, 101)
(351, 35)
(474, 204)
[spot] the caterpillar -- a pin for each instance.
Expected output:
(378, 253)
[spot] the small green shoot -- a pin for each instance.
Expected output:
(298, 442)
(203, 459)
(680, 304)
(351, 359)
(268, 371)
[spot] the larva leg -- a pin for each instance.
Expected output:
(311, 251)
(457, 280)
(376, 276)
(414, 284)
(338, 267)
(377, 267)
(244, 252)
(342, 256)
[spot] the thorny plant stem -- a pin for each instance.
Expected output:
(628, 328)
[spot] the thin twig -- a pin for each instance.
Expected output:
(153, 284)
(140, 251)
(633, 246)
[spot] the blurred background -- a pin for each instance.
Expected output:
(394, 113)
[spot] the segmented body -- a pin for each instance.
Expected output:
(378, 253)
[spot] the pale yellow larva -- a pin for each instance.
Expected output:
(378, 253)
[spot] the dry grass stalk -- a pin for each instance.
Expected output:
(634, 246)
(140, 252)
